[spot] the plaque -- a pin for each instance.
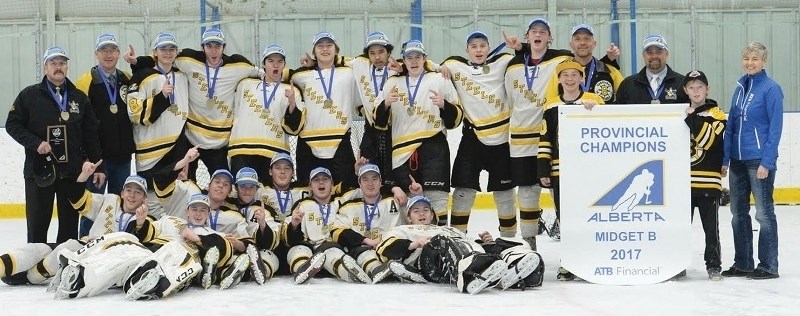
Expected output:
(57, 138)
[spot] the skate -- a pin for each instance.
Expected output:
(209, 275)
(258, 270)
(555, 231)
(310, 268)
(356, 273)
(232, 275)
(144, 285)
(564, 275)
(406, 272)
(380, 273)
(519, 269)
(479, 271)
(71, 282)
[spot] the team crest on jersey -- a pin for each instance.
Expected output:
(604, 89)
(133, 87)
(123, 92)
(672, 94)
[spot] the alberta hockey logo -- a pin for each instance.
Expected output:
(642, 186)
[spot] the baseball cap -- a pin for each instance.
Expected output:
(320, 170)
(477, 34)
(198, 199)
(413, 46)
(222, 172)
(654, 40)
(279, 157)
(213, 35)
(582, 27)
(106, 39)
(695, 75)
(539, 20)
(376, 38)
(247, 176)
(569, 65)
(165, 39)
(417, 199)
(53, 52)
(322, 35)
(136, 180)
(273, 49)
(367, 167)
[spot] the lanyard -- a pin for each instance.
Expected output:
(121, 225)
(324, 211)
(212, 82)
(283, 203)
(112, 92)
(165, 73)
(61, 105)
(375, 79)
(369, 213)
(267, 102)
(413, 95)
(589, 76)
(213, 219)
(656, 94)
(529, 77)
(326, 88)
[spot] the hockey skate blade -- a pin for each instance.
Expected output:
(147, 282)
(400, 270)
(381, 275)
(490, 275)
(209, 267)
(235, 272)
(69, 276)
(524, 267)
(314, 264)
(356, 273)
(256, 265)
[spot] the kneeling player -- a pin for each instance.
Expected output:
(439, 252)
(307, 233)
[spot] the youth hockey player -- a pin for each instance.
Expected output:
(261, 224)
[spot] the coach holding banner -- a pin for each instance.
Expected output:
(55, 123)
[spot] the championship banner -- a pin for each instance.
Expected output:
(625, 192)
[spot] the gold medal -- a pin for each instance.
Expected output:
(326, 230)
(410, 111)
(656, 101)
(211, 103)
(328, 103)
(173, 107)
(65, 116)
(113, 108)
(486, 70)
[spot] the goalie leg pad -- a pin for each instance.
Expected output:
(109, 265)
(48, 267)
(175, 263)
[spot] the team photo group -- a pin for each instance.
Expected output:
(290, 193)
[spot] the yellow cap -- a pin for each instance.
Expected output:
(569, 65)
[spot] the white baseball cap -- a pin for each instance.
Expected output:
(136, 180)
(53, 52)
(106, 39)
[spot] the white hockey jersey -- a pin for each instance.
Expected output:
(282, 201)
(370, 221)
(317, 224)
(370, 82)
(171, 200)
(412, 233)
(105, 210)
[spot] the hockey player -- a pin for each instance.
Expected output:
(570, 76)
(706, 123)
(308, 234)
(158, 103)
(361, 223)
(484, 141)
(419, 107)
(441, 251)
(172, 188)
(331, 95)
(266, 111)
(261, 224)
(211, 94)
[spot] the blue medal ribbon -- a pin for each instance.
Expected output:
(413, 95)
(212, 82)
(375, 79)
(112, 92)
(370, 210)
(324, 211)
(165, 73)
(326, 88)
(588, 79)
(529, 77)
(654, 95)
(121, 225)
(61, 105)
(267, 102)
(213, 219)
(283, 203)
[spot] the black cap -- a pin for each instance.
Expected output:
(44, 171)
(695, 75)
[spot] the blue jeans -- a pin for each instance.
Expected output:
(743, 182)
(116, 173)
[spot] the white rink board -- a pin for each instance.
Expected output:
(624, 187)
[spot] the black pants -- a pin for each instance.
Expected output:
(708, 208)
(214, 159)
(341, 165)
(376, 146)
(259, 163)
(555, 185)
(39, 210)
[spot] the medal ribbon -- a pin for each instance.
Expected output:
(369, 213)
(121, 225)
(212, 82)
(283, 203)
(61, 105)
(112, 92)
(267, 102)
(529, 77)
(375, 79)
(324, 211)
(413, 95)
(165, 73)
(656, 94)
(326, 88)
(588, 80)
(213, 219)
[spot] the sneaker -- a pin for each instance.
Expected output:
(210, 268)
(479, 271)
(714, 274)
(71, 282)
(258, 270)
(380, 273)
(761, 274)
(145, 284)
(309, 268)
(555, 231)
(233, 273)
(406, 272)
(734, 272)
(518, 270)
(354, 270)
(564, 275)
(531, 242)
